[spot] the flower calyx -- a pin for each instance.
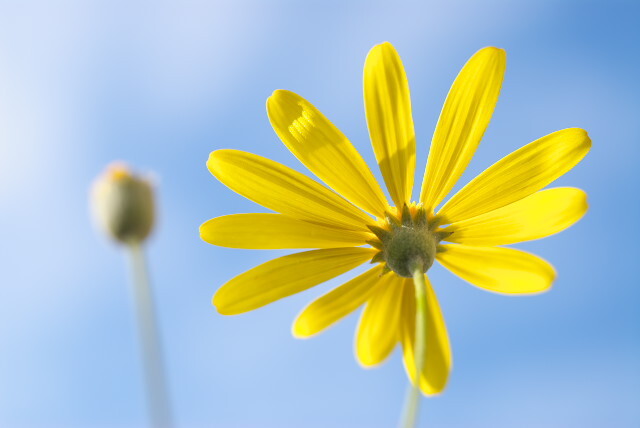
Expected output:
(407, 241)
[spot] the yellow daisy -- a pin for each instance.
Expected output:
(350, 222)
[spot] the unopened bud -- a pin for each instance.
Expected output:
(123, 204)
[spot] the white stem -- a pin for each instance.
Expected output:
(412, 402)
(157, 397)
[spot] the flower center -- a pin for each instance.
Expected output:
(406, 242)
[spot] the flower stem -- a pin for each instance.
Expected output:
(412, 402)
(157, 397)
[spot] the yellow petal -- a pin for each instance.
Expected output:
(379, 328)
(337, 304)
(284, 190)
(438, 360)
(276, 231)
(322, 148)
(285, 276)
(388, 109)
(503, 270)
(464, 118)
(536, 216)
(519, 174)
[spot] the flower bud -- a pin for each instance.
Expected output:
(123, 204)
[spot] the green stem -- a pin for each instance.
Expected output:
(412, 402)
(157, 397)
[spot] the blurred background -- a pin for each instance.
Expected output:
(161, 84)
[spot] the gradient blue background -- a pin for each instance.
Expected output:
(161, 84)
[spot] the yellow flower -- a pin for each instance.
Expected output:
(350, 221)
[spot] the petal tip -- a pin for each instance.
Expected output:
(278, 94)
(216, 304)
(587, 138)
(218, 154)
(585, 201)
(300, 331)
(221, 306)
(212, 161)
(382, 49)
(432, 392)
(217, 160)
(365, 364)
(201, 230)
(493, 52)
(211, 155)
(496, 50)
(578, 132)
(368, 358)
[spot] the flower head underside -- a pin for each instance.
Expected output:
(349, 221)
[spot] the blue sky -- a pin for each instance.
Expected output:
(161, 84)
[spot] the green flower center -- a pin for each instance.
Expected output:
(410, 248)
(407, 243)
